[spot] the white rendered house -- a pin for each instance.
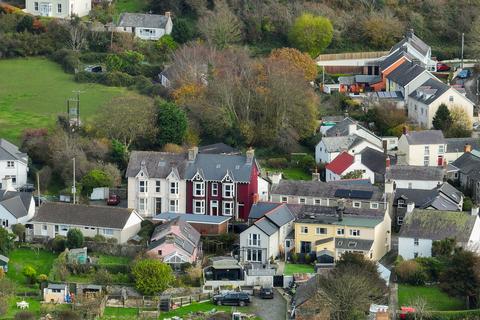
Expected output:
(13, 164)
(58, 8)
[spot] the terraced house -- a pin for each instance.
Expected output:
(328, 232)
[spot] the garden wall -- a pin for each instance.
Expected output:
(112, 249)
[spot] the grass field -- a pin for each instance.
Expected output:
(291, 173)
(291, 268)
(437, 300)
(130, 6)
(33, 91)
(106, 260)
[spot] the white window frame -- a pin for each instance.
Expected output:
(355, 232)
(199, 189)
(227, 211)
(59, 8)
(142, 186)
(254, 255)
(199, 206)
(304, 229)
(374, 205)
(213, 204)
(400, 220)
(302, 200)
(318, 230)
(284, 199)
(416, 241)
(173, 207)
(10, 164)
(174, 187)
(254, 240)
(142, 204)
(35, 6)
(158, 184)
(426, 161)
(357, 204)
(107, 232)
(441, 149)
(317, 202)
(227, 193)
(214, 189)
(340, 232)
(426, 150)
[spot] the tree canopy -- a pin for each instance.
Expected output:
(311, 34)
(74, 238)
(442, 119)
(298, 59)
(171, 123)
(152, 276)
(6, 241)
(95, 179)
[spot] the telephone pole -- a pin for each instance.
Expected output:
(463, 44)
(74, 189)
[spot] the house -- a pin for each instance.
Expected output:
(328, 122)
(458, 146)
(175, 242)
(305, 305)
(370, 162)
(58, 8)
(4, 263)
(422, 227)
(55, 218)
(56, 293)
(354, 193)
(416, 50)
(200, 183)
(202, 223)
(13, 164)
(422, 148)
(444, 197)
(265, 238)
(415, 177)
(223, 272)
(328, 232)
(15, 206)
(467, 173)
(390, 63)
(424, 100)
(145, 26)
(346, 135)
(407, 77)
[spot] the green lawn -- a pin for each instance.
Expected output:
(106, 260)
(41, 261)
(130, 6)
(33, 91)
(34, 307)
(291, 173)
(291, 268)
(437, 300)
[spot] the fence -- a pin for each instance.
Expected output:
(351, 55)
(149, 302)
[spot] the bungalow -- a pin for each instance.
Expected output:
(424, 100)
(15, 206)
(415, 177)
(265, 238)
(175, 242)
(56, 293)
(4, 263)
(223, 272)
(54, 218)
(407, 77)
(422, 148)
(422, 227)
(467, 173)
(145, 26)
(201, 223)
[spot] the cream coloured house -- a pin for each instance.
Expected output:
(423, 103)
(422, 148)
(58, 8)
(54, 218)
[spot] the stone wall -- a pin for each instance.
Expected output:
(124, 250)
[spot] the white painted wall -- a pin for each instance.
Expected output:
(5, 215)
(417, 184)
(266, 243)
(19, 171)
(263, 187)
(407, 249)
(414, 154)
(417, 82)
(68, 8)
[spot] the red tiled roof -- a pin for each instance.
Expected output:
(340, 163)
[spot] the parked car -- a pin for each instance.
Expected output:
(464, 74)
(442, 67)
(266, 293)
(232, 298)
(113, 200)
(476, 126)
(94, 69)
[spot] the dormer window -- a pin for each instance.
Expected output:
(199, 189)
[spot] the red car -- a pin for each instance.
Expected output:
(441, 67)
(113, 200)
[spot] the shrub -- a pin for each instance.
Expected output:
(30, 273)
(99, 238)
(3, 305)
(67, 315)
(93, 57)
(308, 259)
(411, 272)
(84, 76)
(467, 204)
(432, 267)
(102, 277)
(277, 163)
(68, 59)
(58, 243)
(172, 148)
(307, 162)
(294, 257)
(42, 278)
(74, 238)
(24, 315)
(119, 79)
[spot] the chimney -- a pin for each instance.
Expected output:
(192, 153)
(405, 129)
(255, 198)
(387, 162)
(168, 14)
(410, 207)
(7, 184)
(467, 148)
(352, 128)
(276, 177)
(250, 155)
(474, 211)
(316, 175)
(340, 210)
(389, 188)
(358, 158)
(385, 146)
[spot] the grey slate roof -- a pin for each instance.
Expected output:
(142, 20)
(425, 137)
(266, 226)
(374, 160)
(191, 218)
(414, 41)
(445, 197)
(353, 244)
(259, 209)
(340, 143)
(468, 164)
(332, 118)
(214, 167)
(403, 172)
(405, 73)
(9, 151)
(451, 192)
(56, 286)
(187, 231)
(156, 164)
(4, 259)
(432, 89)
(17, 203)
(83, 215)
(458, 144)
(321, 189)
(280, 216)
(306, 291)
(306, 212)
(272, 218)
(218, 148)
(392, 58)
(438, 225)
(421, 198)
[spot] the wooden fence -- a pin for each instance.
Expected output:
(351, 55)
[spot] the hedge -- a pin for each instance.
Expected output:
(473, 314)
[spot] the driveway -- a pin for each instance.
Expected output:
(270, 309)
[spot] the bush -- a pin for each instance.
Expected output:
(119, 79)
(467, 204)
(74, 238)
(411, 272)
(67, 315)
(68, 59)
(102, 277)
(294, 257)
(90, 77)
(58, 244)
(432, 268)
(306, 163)
(30, 273)
(3, 305)
(99, 238)
(24, 315)
(277, 163)
(93, 57)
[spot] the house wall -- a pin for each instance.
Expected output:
(149, 33)
(132, 227)
(263, 187)
(367, 173)
(68, 8)
(417, 184)
(210, 228)
(474, 239)
(453, 155)
(322, 155)
(169, 249)
(414, 154)
(55, 297)
(417, 82)
(330, 202)
(407, 249)
(19, 171)
(382, 240)
(7, 219)
(266, 243)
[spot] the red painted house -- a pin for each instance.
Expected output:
(221, 184)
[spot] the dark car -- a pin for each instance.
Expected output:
(94, 69)
(232, 298)
(266, 293)
(442, 67)
(113, 200)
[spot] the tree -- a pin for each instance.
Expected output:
(311, 34)
(220, 27)
(473, 40)
(355, 174)
(467, 204)
(183, 30)
(127, 119)
(74, 238)
(6, 241)
(152, 276)
(95, 179)
(461, 123)
(25, 24)
(30, 273)
(442, 119)
(421, 307)
(381, 30)
(171, 123)
(300, 60)
(19, 231)
(24, 315)
(77, 32)
(444, 247)
(103, 277)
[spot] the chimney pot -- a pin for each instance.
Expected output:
(405, 130)
(467, 148)
(192, 153)
(387, 162)
(474, 211)
(250, 155)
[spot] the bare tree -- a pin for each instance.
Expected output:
(422, 310)
(78, 34)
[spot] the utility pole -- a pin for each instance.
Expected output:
(463, 44)
(478, 80)
(38, 188)
(74, 189)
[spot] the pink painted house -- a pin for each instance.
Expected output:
(175, 242)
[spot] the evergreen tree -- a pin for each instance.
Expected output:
(442, 119)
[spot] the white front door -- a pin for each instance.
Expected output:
(45, 9)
